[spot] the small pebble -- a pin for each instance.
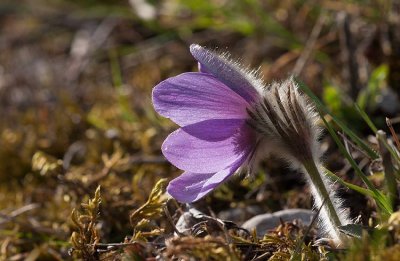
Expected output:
(265, 222)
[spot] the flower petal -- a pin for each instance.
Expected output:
(192, 97)
(190, 187)
(209, 146)
(228, 73)
(215, 130)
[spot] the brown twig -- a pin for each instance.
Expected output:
(298, 246)
(394, 135)
(170, 220)
(18, 212)
(349, 53)
(80, 60)
(309, 47)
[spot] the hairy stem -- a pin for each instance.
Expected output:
(330, 216)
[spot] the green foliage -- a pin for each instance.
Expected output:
(85, 237)
(367, 98)
(333, 100)
(381, 200)
(141, 219)
(340, 105)
(123, 98)
(387, 196)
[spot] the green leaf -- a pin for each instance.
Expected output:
(354, 230)
(366, 97)
(123, 99)
(331, 97)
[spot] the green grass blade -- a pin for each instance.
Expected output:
(359, 189)
(389, 170)
(116, 75)
(366, 118)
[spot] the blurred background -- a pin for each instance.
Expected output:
(75, 101)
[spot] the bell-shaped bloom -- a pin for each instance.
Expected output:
(228, 120)
(214, 139)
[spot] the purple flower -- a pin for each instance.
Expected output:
(214, 139)
(229, 120)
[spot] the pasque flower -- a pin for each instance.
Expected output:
(210, 106)
(229, 120)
